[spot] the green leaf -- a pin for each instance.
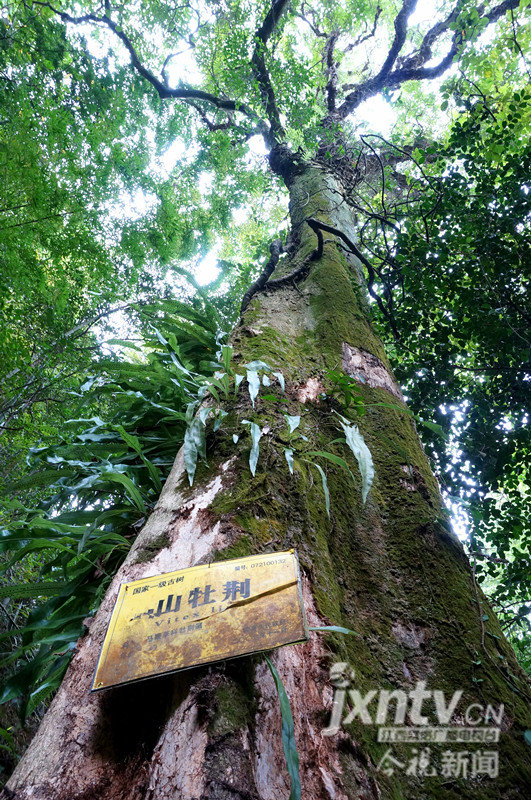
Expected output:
(221, 383)
(293, 422)
(226, 357)
(124, 343)
(127, 483)
(214, 393)
(203, 414)
(325, 488)
(237, 380)
(333, 629)
(433, 426)
(134, 443)
(331, 457)
(46, 477)
(288, 735)
(190, 410)
(47, 687)
(289, 458)
(363, 456)
(21, 591)
(254, 384)
(256, 365)
(219, 419)
(194, 445)
(280, 377)
(10, 742)
(256, 433)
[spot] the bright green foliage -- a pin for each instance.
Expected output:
(100, 484)
(91, 215)
(61, 161)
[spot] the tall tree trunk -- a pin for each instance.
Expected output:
(389, 569)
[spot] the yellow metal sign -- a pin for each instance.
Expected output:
(200, 615)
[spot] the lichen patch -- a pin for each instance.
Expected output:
(310, 390)
(410, 635)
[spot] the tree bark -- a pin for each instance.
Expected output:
(390, 569)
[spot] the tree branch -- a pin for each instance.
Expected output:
(163, 89)
(261, 72)
(314, 28)
(212, 126)
(376, 83)
(517, 44)
(363, 38)
(412, 68)
(315, 223)
(408, 6)
(302, 271)
(331, 71)
(424, 53)
(84, 324)
(275, 248)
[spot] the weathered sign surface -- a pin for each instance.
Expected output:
(200, 615)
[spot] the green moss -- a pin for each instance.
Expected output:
(247, 492)
(270, 346)
(241, 548)
(152, 548)
(262, 530)
(232, 710)
(339, 310)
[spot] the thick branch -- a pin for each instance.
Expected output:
(413, 67)
(424, 53)
(374, 85)
(269, 24)
(331, 71)
(408, 6)
(261, 72)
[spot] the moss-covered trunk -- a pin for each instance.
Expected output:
(389, 569)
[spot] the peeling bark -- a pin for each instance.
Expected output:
(369, 369)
